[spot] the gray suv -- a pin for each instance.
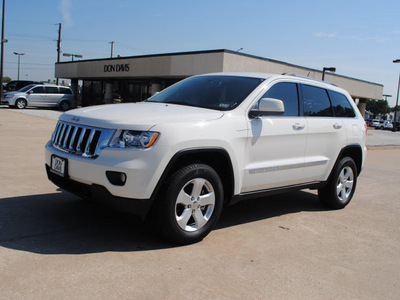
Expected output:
(41, 96)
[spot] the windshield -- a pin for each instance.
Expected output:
(213, 92)
(25, 88)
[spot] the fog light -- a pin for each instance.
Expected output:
(116, 178)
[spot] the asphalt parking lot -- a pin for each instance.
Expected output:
(55, 246)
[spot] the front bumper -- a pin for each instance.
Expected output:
(100, 194)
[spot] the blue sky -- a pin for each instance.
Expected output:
(359, 38)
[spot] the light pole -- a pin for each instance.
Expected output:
(112, 48)
(330, 69)
(72, 55)
(19, 60)
(397, 100)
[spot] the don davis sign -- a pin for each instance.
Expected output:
(116, 68)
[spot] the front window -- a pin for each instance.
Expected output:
(212, 92)
(38, 90)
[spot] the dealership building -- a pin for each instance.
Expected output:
(135, 78)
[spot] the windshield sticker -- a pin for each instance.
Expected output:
(224, 105)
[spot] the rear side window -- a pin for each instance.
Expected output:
(51, 89)
(341, 105)
(65, 91)
(316, 102)
(287, 92)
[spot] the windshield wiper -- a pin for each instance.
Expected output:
(181, 103)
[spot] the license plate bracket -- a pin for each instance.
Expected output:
(59, 166)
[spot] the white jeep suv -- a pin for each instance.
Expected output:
(209, 141)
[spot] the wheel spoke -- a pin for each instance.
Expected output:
(183, 198)
(184, 218)
(343, 193)
(208, 199)
(199, 218)
(349, 184)
(342, 176)
(198, 184)
(339, 189)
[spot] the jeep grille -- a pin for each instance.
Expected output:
(80, 140)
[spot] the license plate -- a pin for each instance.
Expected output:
(58, 165)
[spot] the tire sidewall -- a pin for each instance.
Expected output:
(169, 226)
(334, 200)
(20, 101)
(66, 107)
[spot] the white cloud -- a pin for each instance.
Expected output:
(376, 39)
(65, 8)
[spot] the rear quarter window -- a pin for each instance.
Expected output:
(341, 105)
(51, 90)
(65, 91)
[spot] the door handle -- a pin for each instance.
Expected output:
(298, 126)
(337, 126)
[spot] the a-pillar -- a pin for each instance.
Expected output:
(108, 95)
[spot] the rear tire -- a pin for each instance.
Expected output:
(20, 103)
(64, 106)
(341, 186)
(189, 205)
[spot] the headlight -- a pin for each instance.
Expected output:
(133, 139)
(8, 96)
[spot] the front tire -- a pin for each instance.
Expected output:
(341, 186)
(189, 205)
(20, 103)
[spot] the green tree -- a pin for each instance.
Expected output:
(6, 79)
(378, 107)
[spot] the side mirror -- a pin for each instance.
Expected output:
(268, 107)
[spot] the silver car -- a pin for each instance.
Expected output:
(41, 96)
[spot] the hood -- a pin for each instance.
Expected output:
(138, 116)
(13, 93)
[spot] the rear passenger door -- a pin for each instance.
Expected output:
(276, 144)
(326, 133)
(52, 95)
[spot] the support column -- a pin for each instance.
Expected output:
(108, 95)
(75, 90)
(362, 106)
(155, 87)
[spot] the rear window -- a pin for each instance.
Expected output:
(64, 90)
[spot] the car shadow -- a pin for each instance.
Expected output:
(61, 223)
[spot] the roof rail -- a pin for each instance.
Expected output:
(306, 77)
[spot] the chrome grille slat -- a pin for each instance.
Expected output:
(66, 137)
(80, 140)
(89, 141)
(71, 143)
(78, 146)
